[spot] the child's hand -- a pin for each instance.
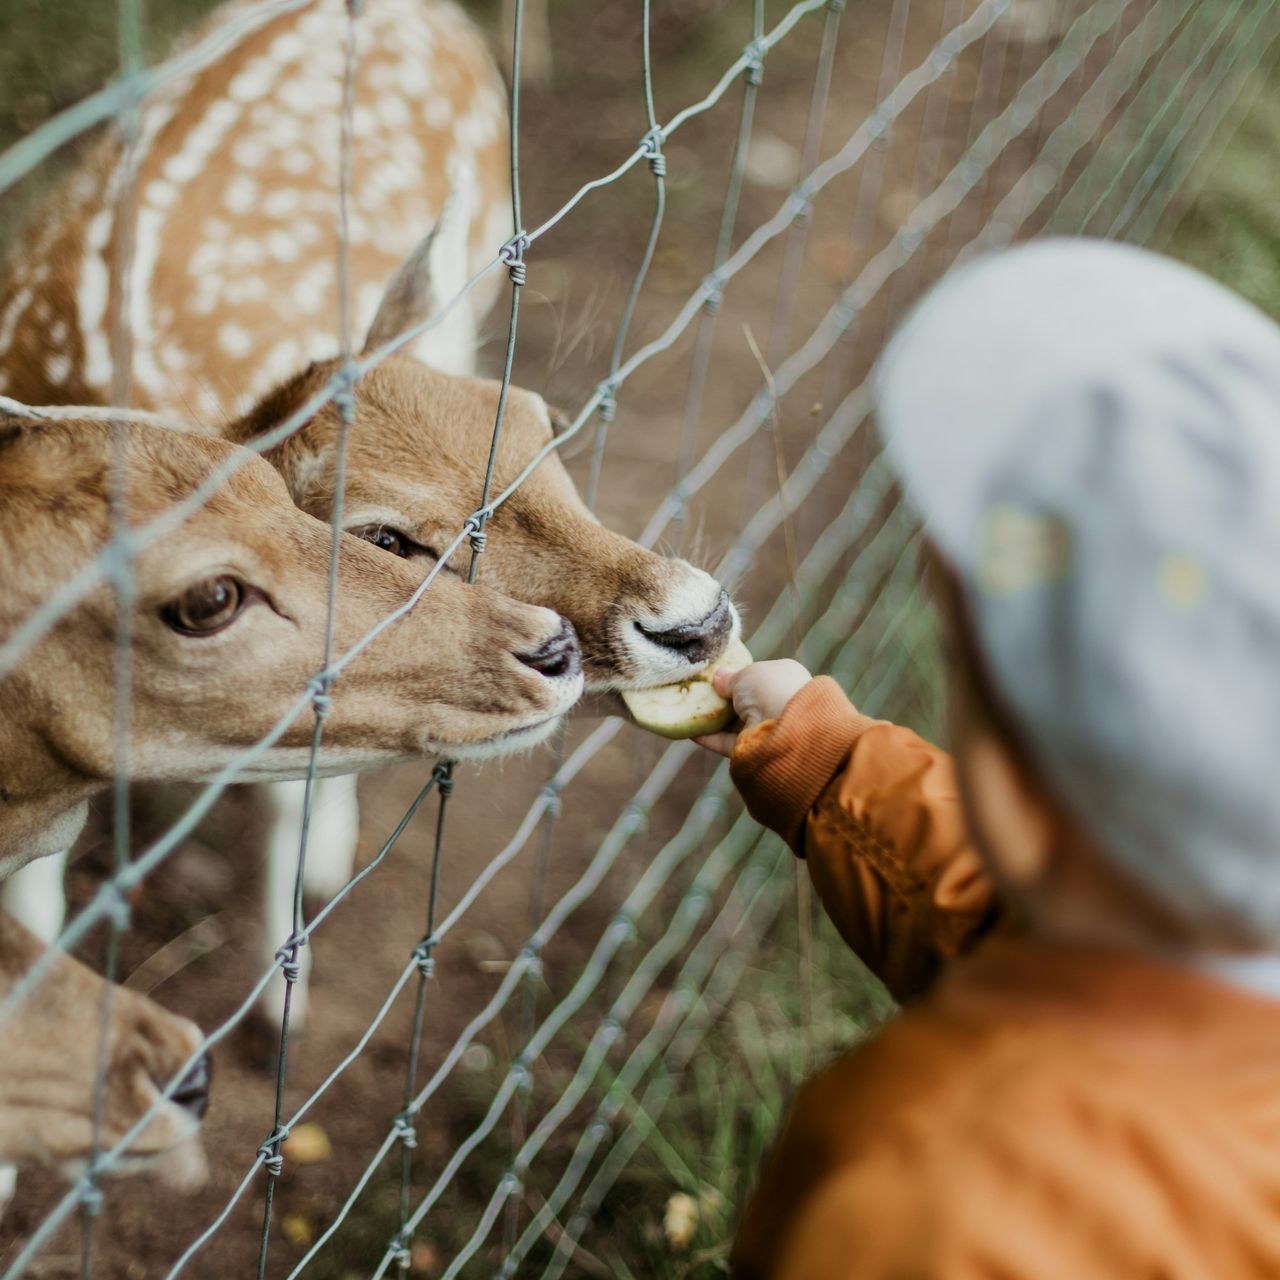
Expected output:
(758, 692)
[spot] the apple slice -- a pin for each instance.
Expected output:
(692, 707)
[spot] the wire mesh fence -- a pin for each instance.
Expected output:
(920, 132)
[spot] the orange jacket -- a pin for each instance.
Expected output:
(1044, 1110)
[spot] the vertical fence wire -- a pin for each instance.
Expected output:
(271, 1149)
(129, 47)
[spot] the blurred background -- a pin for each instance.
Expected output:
(1166, 133)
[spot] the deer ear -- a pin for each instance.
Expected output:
(408, 299)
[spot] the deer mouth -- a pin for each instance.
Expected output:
(666, 650)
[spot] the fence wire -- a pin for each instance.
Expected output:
(992, 135)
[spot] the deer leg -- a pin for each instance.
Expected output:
(285, 805)
(335, 835)
(34, 895)
(8, 1185)
(332, 836)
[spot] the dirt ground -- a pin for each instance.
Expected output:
(203, 904)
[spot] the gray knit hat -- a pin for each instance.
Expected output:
(1092, 436)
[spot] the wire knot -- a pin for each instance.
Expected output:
(119, 912)
(475, 527)
(405, 1132)
(608, 406)
(400, 1254)
(321, 700)
(344, 392)
(270, 1153)
(532, 962)
(651, 145)
(713, 287)
(287, 958)
(423, 958)
(443, 775)
(551, 796)
(754, 53)
(801, 202)
(90, 1197)
(512, 256)
(633, 818)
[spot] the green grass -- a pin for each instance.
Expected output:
(712, 1136)
(1231, 229)
(724, 1112)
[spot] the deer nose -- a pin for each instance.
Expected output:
(695, 642)
(559, 657)
(192, 1094)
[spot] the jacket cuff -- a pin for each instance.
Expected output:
(782, 766)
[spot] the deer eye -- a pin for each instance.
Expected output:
(386, 539)
(399, 544)
(207, 607)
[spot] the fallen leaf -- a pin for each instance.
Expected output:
(308, 1144)
(297, 1229)
(680, 1221)
(772, 162)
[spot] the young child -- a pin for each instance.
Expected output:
(1092, 1091)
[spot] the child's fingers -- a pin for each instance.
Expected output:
(724, 679)
(721, 743)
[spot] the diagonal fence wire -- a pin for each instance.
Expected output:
(865, 623)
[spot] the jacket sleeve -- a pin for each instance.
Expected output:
(875, 811)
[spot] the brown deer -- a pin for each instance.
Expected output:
(234, 289)
(226, 628)
(49, 1060)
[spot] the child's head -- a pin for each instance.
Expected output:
(1092, 435)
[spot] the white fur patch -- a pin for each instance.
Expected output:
(281, 245)
(91, 300)
(235, 340)
(12, 314)
(240, 194)
(283, 202)
(254, 80)
(57, 367)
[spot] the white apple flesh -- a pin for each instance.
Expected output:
(690, 708)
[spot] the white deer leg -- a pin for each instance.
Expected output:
(284, 803)
(331, 854)
(335, 835)
(8, 1185)
(35, 896)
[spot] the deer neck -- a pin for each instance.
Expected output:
(36, 828)
(44, 803)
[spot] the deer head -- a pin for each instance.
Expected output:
(415, 456)
(235, 287)
(49, 1060)
(226, 627)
